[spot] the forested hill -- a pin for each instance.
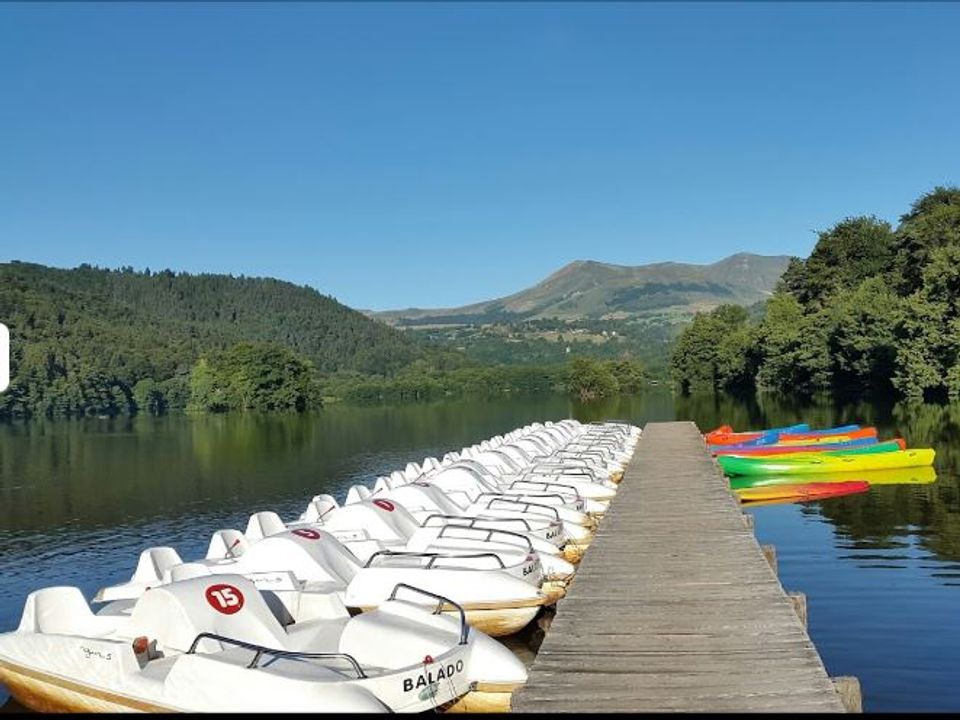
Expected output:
(83, 338)
(873, 310)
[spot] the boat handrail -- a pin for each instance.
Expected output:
(546, 486)
(580, 451)
(575, 454)
(441, 599)
(473, 520)
(261, 650)
(563, 499)
(557, 469)
(490, 532)
(526, 506)
(433, 556)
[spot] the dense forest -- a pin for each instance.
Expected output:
(874, 310)
(91, 341)
(95, 341)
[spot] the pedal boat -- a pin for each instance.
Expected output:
(212, 643)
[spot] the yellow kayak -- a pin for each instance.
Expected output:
(825, 440)
(816, 463)
(897, 476)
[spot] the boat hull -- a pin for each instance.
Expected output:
(573, 552)
(486, 698)
(497, 620)
(47, 693)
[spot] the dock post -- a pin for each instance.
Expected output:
(770, 553)
(848, 688)
(799, 601)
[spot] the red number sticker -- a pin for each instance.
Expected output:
(307, 533)
(225, 598)
(384, 505)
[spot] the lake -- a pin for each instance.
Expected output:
(881, 570)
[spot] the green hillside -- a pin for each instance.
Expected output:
(82, 339)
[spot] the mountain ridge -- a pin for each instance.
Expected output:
(592, 289)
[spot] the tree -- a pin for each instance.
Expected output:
(933, 222)
(590, 379)
(862, 340)
(148, 396)
(630, 375)
(851, 251)
(712, 353)
(254, 376)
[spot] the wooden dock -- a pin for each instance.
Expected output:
(675, 607)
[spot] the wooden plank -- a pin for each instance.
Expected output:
(675, 607)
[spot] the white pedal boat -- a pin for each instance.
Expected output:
(433, 547)
(496, 602)
(376, 524)
(213, 644)
(577, 527)
(465, 484)
(430, 506)
(542, 478)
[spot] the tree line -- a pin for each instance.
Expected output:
(874, 310)
(92, 341)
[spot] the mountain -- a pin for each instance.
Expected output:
(594, 290)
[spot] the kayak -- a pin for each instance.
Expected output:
(828, 449)
(837, 430)
(777, 447)
(728, 430)
(792, 437)
(724, 435)
(803, 491)
(900, 476)
(807, 438)
(821, 463)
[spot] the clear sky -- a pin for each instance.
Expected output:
(404, 154)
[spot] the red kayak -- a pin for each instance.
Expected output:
(801, 492)
(731, 438)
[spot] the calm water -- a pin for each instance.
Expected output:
(79, 500)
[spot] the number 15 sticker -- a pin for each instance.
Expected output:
(4, 357)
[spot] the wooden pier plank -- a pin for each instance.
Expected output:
(674, 606)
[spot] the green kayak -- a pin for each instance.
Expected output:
(803, 463)
(900, 476)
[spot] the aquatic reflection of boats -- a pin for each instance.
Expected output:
(898, 476)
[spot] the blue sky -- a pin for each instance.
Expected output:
(404, 154)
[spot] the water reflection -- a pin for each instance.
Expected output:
(79, 500)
